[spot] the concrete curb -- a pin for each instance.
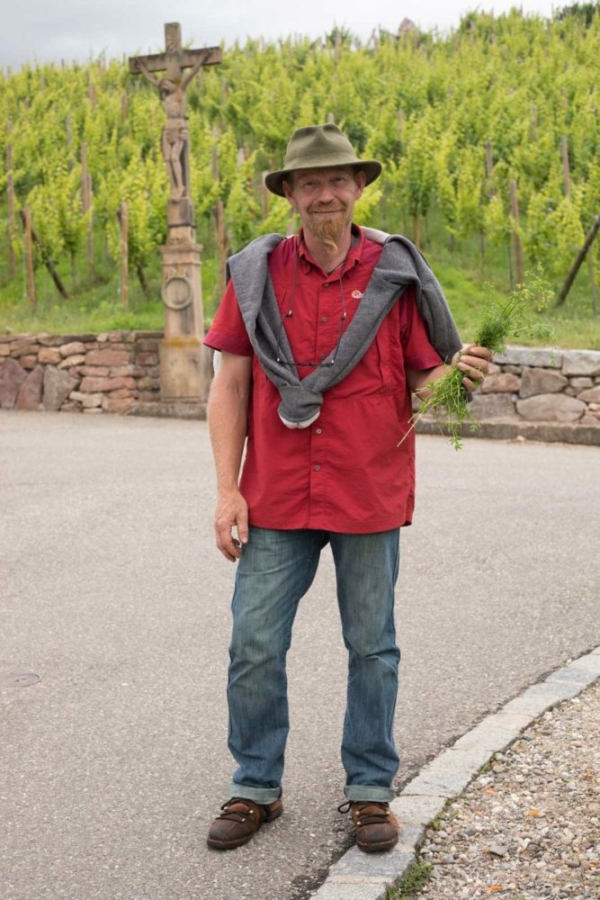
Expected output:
(358, 876)
(518, 429)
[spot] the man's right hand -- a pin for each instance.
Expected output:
(231, 512)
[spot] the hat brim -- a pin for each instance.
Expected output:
(371, 168)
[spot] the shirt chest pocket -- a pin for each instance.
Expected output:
(389, 358)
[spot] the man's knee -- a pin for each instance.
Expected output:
(257, 647)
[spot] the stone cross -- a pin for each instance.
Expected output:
(184, 366)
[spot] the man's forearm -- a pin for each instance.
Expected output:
(420, 381)
(228, 422)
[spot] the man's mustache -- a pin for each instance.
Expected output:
(325, 208)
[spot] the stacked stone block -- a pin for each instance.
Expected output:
(92, 373)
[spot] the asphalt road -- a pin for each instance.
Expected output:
(111, 591)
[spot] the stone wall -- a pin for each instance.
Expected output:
(91, 373)
(542, 386)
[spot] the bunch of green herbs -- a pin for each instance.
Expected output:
(510, 318)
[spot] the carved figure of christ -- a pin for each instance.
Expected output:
(172, 87)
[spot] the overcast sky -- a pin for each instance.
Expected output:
(55, 30)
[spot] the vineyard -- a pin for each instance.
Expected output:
(490, 140)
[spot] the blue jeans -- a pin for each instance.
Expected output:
(275, 571)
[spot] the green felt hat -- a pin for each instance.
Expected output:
(319, 147)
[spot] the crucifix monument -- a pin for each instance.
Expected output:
(182, 371)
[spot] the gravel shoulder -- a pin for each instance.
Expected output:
(528, 827)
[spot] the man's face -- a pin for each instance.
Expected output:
(324, 199)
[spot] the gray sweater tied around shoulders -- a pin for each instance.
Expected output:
(401, 264)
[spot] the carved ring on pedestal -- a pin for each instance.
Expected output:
(177, 292)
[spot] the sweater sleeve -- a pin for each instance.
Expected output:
(419, 352)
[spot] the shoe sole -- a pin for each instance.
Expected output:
(380, 847)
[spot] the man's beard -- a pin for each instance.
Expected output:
(329, 231)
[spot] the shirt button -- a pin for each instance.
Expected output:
(326, 284)
(319, 430)
(324, 319)
(317, 468)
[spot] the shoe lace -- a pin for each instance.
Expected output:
(236, 815)
(371, 812)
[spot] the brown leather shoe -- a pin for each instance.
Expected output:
(239, 821)
(375, 825)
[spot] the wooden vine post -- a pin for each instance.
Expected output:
(489, 168)
(514, 209)
(31, 240)
(10, 200)
(416, 230)
(564, 149)
(400, 122)
(124, 222)
(86, 208)
(29, 257)
(593, 284)
(589, 240)
(265, 194)
(219, 214)
(69, 134)
(337, 49)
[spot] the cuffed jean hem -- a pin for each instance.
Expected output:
(361, 793)
(259, 795)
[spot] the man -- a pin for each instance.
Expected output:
(323, 337)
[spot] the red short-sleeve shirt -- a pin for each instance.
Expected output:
(347, 471)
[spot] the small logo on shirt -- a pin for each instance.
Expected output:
(357, 295)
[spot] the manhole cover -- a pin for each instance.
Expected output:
(23, 679)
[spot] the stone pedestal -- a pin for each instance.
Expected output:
(183, 361)
(181, 369)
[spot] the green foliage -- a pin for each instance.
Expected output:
(367, 208)
(56, 207)
(415, 179)
(243, 210)
(142, 188)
